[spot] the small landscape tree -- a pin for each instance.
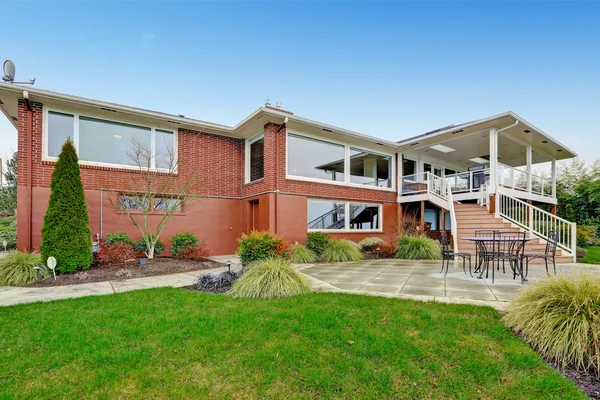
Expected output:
(66, 233)
(8, 193)
(152, 192)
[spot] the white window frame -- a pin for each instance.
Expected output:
(347, 146)
(347, 218)
(249, 142)
(76, 115)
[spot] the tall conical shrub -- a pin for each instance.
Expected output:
(66, 233)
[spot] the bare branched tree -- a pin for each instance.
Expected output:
(156, 186)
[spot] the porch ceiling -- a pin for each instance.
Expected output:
(477, 145)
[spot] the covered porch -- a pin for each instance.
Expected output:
(471, 160)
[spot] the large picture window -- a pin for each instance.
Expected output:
(316, 159)
(347, 216)
(101, 141)
(109, 142)
(322, 160)
(368, 168)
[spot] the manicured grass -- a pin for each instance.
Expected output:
(172, 343)
(593, 255)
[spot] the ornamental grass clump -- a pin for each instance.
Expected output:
(17, 269)
(340, 251)
(370, 243)
(271, 278)
(418, 248)
(560, 318)
(302, 255)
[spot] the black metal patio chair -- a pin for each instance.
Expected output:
(549, 253)
(448, 254)
(480, 248)
(507, 246)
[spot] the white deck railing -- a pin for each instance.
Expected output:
(537, 221)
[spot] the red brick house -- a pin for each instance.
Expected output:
(279, 172)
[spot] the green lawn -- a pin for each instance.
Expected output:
(593, 255)
(172, 343)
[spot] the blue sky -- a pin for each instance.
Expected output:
(392, 70)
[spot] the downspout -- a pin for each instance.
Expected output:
(101, 190)
(29, 173)
(508, 127)
(277, 149)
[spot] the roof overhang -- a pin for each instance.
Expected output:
(254, 123)
(248, 127)
(538, 139)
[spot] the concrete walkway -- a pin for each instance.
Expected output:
(422, 280)
(407, 279)
(18, 295)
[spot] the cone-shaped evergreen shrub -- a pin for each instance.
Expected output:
(66, 233)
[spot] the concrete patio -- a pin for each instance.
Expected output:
(422, 280)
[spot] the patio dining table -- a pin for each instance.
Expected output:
(488, 239)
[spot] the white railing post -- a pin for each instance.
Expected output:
(497, 203)
(530, 210)
(574, 241)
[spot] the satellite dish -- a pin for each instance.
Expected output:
(9, 71)
(9, 74)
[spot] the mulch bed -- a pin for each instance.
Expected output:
(588, 384)
(158, 266)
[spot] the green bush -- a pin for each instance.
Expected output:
(340, 251)
(141, 247)
(182, 240)
(271, 278)
(66, 233)
(316, 241)
(16, 269)
(302, 255)
(418, 248)
(560, 317)
(586, 235)
(260, 246)
(118, 237)
(370, 243)
(8, 232)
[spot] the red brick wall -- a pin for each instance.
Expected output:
(216, 163)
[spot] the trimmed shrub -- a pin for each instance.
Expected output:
(115, 253)
(560, 318)
(182, 240)
(271, 278)
(418, 248)
(302, 255)
(197, 252)
(316, 241)
(140, 247)
(66, 233)
(260, 246)
(118, 237)
(216, 283)
(8, 232)
(16, 268)
(370, 243)
(340, 251)
(581, 253)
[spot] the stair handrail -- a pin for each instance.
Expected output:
(453, 226)
(321, 218)
(536, 221)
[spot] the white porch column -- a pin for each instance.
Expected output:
(528, 157)
(553, 168)
(493, 135)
